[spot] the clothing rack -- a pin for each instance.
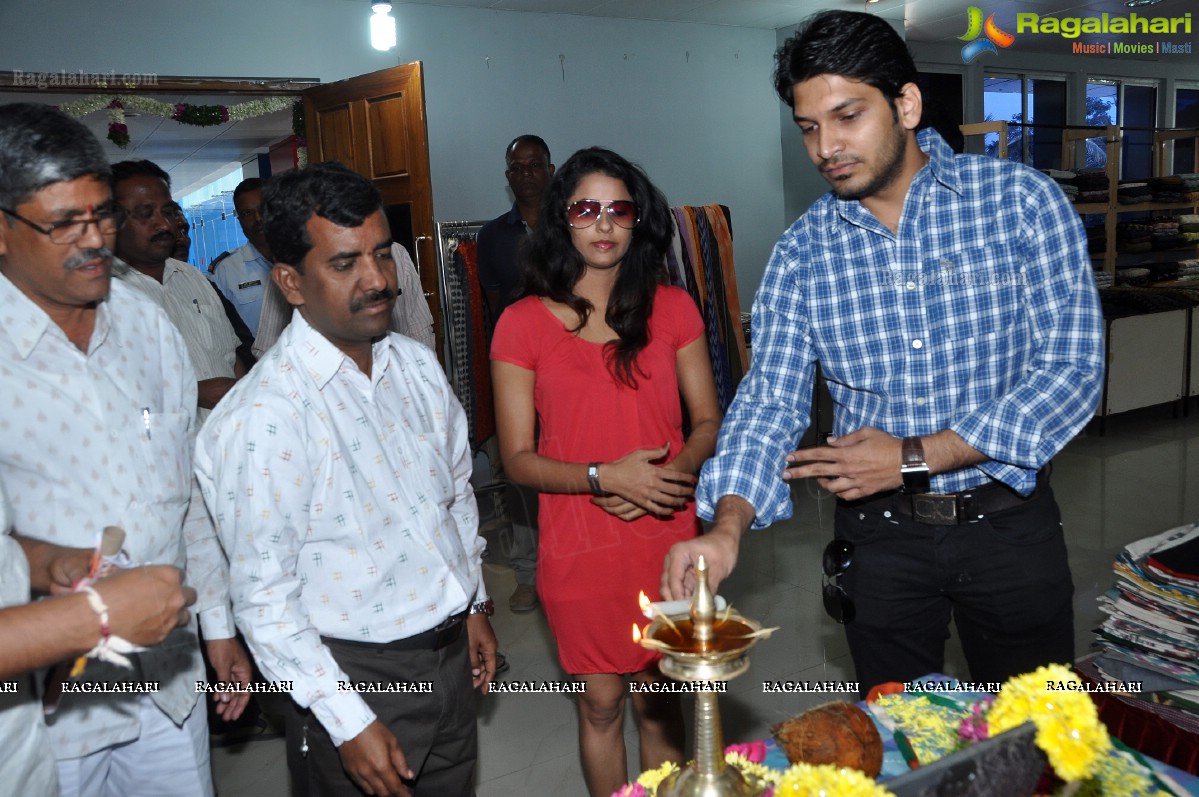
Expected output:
(700, 261)
(462, 311)
(462, 339)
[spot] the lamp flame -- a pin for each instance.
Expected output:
(644, 603)
(637, 632)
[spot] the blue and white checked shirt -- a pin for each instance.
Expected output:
(979, 316)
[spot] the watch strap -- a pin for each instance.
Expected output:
(913, 466)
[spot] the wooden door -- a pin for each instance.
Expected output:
(375, 124)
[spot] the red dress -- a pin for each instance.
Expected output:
(590, 564)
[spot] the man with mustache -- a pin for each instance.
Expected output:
(339, 480)
(144, 247)
(950, 303)
(99, 405)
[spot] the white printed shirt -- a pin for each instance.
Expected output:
(104, 438)
(345, 505)
(410, 315)
(192, 304)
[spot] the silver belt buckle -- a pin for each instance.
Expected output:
(935, 509)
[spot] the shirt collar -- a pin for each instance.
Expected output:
(513, 216)
(942, 167)
(321, 360)
(28, 323)
(942, 163)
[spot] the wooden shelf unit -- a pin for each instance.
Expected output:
(1111, 209)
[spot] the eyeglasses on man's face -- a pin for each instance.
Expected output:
(107, 220)
(838, 556)
(583, 213)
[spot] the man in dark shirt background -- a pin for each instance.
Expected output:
(529, 170)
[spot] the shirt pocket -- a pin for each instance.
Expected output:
(249, 291)
(167, 467)
(974, 296)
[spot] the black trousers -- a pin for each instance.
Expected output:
(436, 731)
(1003, 579)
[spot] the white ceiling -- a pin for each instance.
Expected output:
(924, 20)
(195, 155)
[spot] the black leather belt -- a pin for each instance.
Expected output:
(951, 509)
(442, 636)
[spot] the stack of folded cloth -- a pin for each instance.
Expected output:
(1065, 181)
(1096, 239)
(1133, 193)
(1165, 232)
(1188, 268)
(1132, 275)
(1134, 236)
(1188, 226)
(1166, 189)
(1190, 187)
(1092, 185)
(1104, 280)
(1151, 633)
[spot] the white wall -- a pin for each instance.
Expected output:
(691, 103)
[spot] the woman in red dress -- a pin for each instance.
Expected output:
(598, 353)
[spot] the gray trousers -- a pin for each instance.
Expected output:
(436, 730)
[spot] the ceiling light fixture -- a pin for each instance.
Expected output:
(383, 25)
(1139, 3)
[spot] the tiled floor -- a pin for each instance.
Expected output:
(1142, 477)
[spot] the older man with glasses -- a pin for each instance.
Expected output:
(98, 401)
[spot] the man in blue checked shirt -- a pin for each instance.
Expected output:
(950, 303)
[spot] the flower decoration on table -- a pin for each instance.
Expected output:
(182, 112)
(934, 725)
(824, 780)
(1068, 727)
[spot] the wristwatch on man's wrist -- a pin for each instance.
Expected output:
(913, 468)
(486, 607)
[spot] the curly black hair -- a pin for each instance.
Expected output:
(552, 266)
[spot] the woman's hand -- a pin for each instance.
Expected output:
(656, 489)
(615, 505)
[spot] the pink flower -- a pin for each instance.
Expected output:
(974, 728)
(754, 752)
(631, 790)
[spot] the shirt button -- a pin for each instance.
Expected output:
(917, 344)
(920, 401)
(115, 435)
(911, 286)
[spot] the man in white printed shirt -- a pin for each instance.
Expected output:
(144, 246)
(99, 403)
(339, 480)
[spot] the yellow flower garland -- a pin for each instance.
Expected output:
(1068, 727)
(825, 780)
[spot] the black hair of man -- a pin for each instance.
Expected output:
(39, 146)
(328, 190)
(247, 185)
(528, 138)
(850, 44)
(126, 170)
